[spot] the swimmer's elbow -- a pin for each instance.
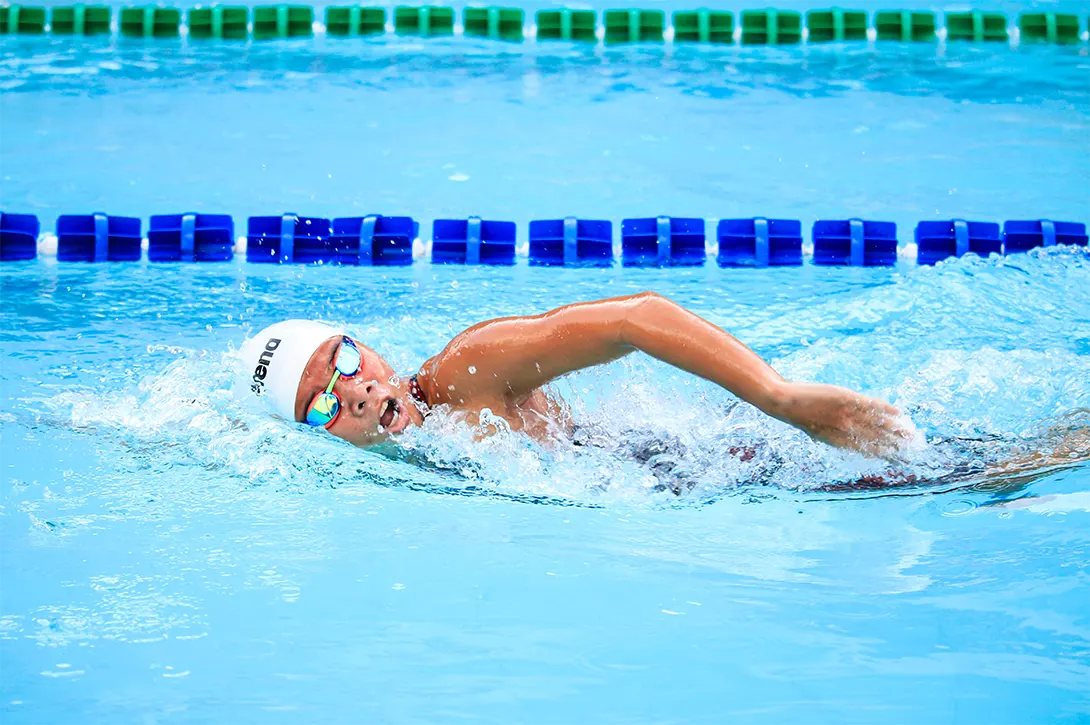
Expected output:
(637, 311)
(649, 296)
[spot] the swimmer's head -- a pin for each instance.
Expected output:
(288, 364)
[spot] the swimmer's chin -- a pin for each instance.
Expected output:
(386, 442)
(387, 448)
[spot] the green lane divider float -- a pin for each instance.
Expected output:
(219, 22)
(81, 20)
(771, 27)
(567, 24)
(494, 23)
(427, 20)
(905, 25)
(150, 22)
(1049, 28)
(22, 19)
(758, 27)
(635, 26)
(283, 21)
(355, 20)
(977, 26)
(836, 25)
(703, 26)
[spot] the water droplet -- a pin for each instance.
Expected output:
(472, 370)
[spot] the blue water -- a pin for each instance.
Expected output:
(168, 555)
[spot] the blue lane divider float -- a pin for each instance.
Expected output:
(98, 238)
(191, 238)
(759, 242)
(18, 236)
(372, 241)
(473, 241)
(287, 239)
(662, 242)
(855, 242)
(650, 241)
(936, 241)
(571, 242)
(1021, 236)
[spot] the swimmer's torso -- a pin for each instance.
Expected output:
(539, 414)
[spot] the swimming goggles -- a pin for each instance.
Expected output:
(326, 405)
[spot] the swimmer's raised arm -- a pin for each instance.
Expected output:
(510, 357)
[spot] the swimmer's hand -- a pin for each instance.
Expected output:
(843, 418)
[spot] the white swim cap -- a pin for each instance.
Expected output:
(273, 360)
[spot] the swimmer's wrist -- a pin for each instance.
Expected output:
(779, 401)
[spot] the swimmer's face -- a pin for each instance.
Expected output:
(375, 404)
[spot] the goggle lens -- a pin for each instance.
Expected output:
(348, 359)
(323, 410)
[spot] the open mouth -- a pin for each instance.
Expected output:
(389, 413)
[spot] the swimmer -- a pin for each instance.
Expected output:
(311, 373)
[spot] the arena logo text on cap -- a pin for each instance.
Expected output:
(263, 364)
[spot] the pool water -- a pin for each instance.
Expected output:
(168, 554)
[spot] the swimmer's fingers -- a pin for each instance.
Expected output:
(870, 426)
(892, 435)
(846, 419)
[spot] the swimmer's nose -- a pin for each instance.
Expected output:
(361, 396)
